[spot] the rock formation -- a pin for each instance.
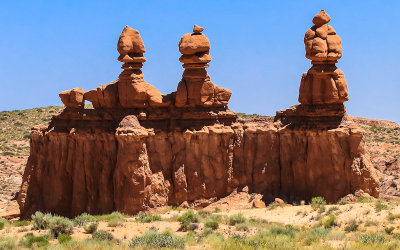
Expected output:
(139, 149)
(196, 89)
(323, 83)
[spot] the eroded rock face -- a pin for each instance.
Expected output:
(139, 149)
(130, 167)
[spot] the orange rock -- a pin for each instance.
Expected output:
(192, 43)
(321, 18)
(73, 98)
(258, 204)
(130, 46)
(197, 29)
(280, 201)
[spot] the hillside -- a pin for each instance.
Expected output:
(382, 139)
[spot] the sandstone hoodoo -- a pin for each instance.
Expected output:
(139, 149)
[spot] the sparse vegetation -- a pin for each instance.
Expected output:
(83, 219)
(236, 219)
(212, 224)
(102, 235)
(154, 239)
(91, 227)
(352, 226)
(318, 203)
(146, 218)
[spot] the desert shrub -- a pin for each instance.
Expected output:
(369, 223)
(64, 238)
(29, 240)
(389, 230)
(330, 222)
(204, 213)
(189, 216)
(372, 238)
(83, 219)
(7, 243)
(364, 199)
(332, 209)
(91, 227)
(60, 225)
(146, 218)
(217, 210)
(211, 224)
(242, 227)
(352, 226)
(115, 222)
(391, 217)
(318, 203)
(113, 215)
(287, 230)
(2, 225)
(320, 232)
(274, 205)
(102, 235)
(236, 219)
(154, 239)
(379, 206)
(342, 201)
(21, 223)
(40, 220)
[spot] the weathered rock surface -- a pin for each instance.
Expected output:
(138, 149)
(82, 167)
(323, 83)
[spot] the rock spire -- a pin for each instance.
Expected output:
(324, 83)
(196, 89)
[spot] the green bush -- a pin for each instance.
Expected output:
(115, 222)
(102, 235)
(365, 199)
(212, 224)
(91, 228)
(60, 225)
(287, 230)
(154, 239)
(146, 218)
(372, 238)
(389, 230)
(29, 240)
(352, 226)
(236, 219)
(21, 223)
(83, 219)
(189, 216)
(379, 206)
(1, 225)
(40, 220)
(204, 213)
(64, 238)
(7, 243)
(112, 216)
(242, 227)
(318, 203)
(320, 232)
(330, 222)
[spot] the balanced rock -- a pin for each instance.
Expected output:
(324, 83)
(196, 89)
(130, 46)
(73, 98)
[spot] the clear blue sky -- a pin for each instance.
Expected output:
(256, 46)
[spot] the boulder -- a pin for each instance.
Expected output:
(73, 98)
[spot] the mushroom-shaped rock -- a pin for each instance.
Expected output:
(192, 43)
(73, 98)
(130, 46)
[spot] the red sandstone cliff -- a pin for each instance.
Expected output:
(139, 149)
